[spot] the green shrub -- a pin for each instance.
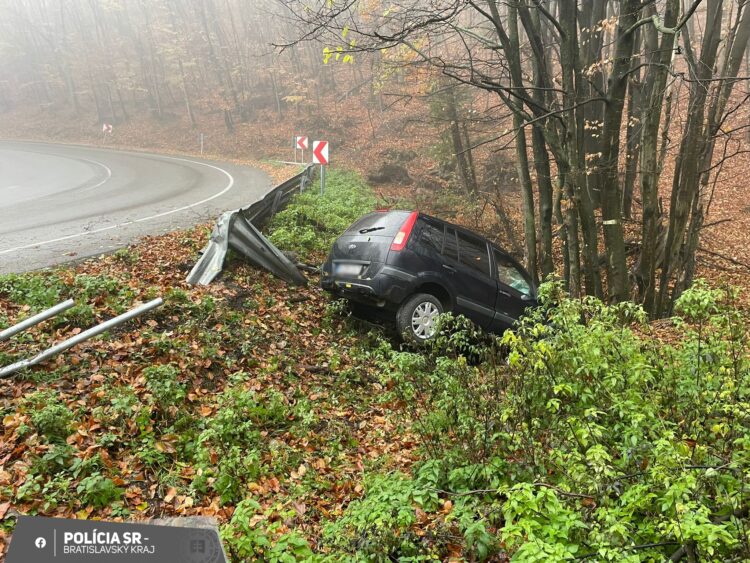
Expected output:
(96, 286)
(37, 290)
(49, 416)
(98, 491)
(229, 449)
(249, 541)
(57, 458)
(311, 223)
(606, 443)
(41, 290)
(381, 524)
(127, 256)
(165, 388)
(123, 404)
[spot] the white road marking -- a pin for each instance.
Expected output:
(142, 219)
(107, 169)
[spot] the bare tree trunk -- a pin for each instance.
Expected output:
(459, 153)
(692, 149)
(522, 159)
(535, 33)
(633, 133)
(575, 177)
(611, 194)
(468, 150)
(511, 43)
(660, 57)
(544, 181)
(188, 105)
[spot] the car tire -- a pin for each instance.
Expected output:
(417, 316)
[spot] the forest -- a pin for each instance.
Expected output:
(604, 143)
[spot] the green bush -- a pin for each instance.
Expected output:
(578, 436)
(229, 449)
(49, 416)
(38, 291)
(41, 290)
(98, 491)
(310, 223)
(379, 524)
(249, 541)
(165, 388)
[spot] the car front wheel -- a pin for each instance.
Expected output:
(417, 317)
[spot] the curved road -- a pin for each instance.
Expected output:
(61, 202)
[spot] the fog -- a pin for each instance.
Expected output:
(109, 60)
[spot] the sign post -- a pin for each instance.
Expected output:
(320, 156)
(300, 143)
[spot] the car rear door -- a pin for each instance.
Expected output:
(514, 291)
(476, 289)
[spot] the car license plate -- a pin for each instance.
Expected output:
(348, 269)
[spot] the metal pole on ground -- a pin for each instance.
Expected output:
(322, 179)
(36, 319)
(78, 338)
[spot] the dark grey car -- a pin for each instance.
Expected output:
(416, 266)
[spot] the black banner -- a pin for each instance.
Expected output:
(38, 539)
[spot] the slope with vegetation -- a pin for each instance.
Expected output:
(589, 434)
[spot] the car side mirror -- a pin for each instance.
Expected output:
(526, 297)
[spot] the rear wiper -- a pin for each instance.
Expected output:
(371, 229)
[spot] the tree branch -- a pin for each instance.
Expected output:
(659, 25)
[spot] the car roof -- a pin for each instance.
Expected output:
(457, 227)
(465, 230)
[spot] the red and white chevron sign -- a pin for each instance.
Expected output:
(301, 143)
(106, 128)
(320, 152)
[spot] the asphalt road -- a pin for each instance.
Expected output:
(60, 203)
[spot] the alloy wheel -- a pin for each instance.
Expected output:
(423, 320)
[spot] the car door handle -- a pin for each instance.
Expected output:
(501, 292)
(451, 269)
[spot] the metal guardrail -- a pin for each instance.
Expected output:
(237, 230)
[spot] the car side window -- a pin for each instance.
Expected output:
(509, 274)
(473, 253)
(450, 248)
(431, 237)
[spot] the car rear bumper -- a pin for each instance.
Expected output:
(386, 289)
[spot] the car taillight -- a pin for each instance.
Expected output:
(402, 237)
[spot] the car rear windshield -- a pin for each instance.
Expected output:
(381, 223)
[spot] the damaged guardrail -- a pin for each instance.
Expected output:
(236, 230)
(78, 338)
